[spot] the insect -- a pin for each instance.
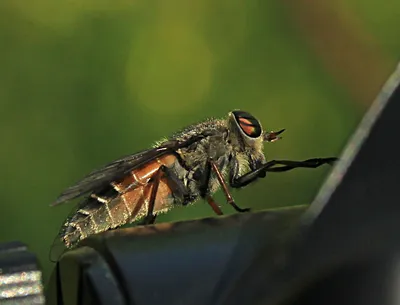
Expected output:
(190, 165)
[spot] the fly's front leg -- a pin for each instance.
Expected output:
(225, 189)
(277, 166)
(310, 163)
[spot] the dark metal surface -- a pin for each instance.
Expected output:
(354, 219)
(83, 277)
(343, 250)
(177, 263)
(20, 276)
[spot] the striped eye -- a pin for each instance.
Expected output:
(248, 124)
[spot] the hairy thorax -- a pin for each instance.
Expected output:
(191, 165)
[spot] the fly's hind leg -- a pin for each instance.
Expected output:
(178, 190)
(150, 218)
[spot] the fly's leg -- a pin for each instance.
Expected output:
(225, 189)
(150, 217)
(212, 166)
(277, 166)
(310, 163)
(178, 189)
(213, 205)
(204, 190)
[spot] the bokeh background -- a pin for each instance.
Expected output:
(85, 82)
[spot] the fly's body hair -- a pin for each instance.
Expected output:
(222, 145)
(191, 164)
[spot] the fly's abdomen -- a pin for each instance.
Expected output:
(120, 203)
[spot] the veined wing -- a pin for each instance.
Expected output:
(118, 169)
(105, 175)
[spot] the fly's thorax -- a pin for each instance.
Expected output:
(194, 177)
(214, 146)
(193, 159)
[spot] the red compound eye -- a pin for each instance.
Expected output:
(249, 124)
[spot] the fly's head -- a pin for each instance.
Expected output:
(247, 135)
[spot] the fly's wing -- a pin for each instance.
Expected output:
(119, 168)
(113, 171)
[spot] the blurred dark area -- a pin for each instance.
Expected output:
(85, 82)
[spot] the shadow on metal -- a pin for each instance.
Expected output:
(168, 263)
(343, 250)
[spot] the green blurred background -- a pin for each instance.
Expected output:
(85, 82)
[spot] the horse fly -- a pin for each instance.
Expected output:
(191, 164)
